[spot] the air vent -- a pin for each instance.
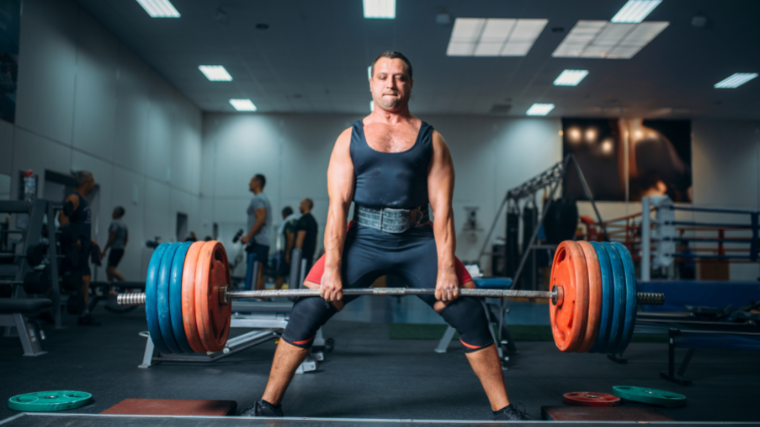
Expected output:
(500, 109)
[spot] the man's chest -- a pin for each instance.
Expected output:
(391, 139)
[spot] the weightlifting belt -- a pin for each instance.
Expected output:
(391, 220)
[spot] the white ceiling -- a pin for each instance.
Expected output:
(314, 55)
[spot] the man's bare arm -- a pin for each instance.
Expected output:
(301, 237)
(340, 189)
(62, 218)
(440, 194)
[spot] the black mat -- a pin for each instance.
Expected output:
(53, 420)
(367, 375)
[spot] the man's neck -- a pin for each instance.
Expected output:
(257, 191)
(81, 192)
(305, 212)
(392, 117)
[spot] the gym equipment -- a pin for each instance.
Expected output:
(649, 395)
(206, 298)
(35, 254)
(48, 401)
(585, 398)
(561, 220)
(37, 282)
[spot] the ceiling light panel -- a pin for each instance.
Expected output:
(735, 80)
(635, 11)
(215, 73)
(493, 37)
(603, 39)
(570, 77)
(159, 8)
(380, 9)
(243, 104)
(540, 109)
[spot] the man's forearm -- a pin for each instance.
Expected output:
(445, 239)
(335, 235)
(255, 228)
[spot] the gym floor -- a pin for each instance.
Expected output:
(368, 375)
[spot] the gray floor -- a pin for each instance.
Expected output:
(368, 375)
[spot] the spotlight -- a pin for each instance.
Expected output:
(590, 135)
(574, 134)
(607, 146)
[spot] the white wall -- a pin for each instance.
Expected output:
(490, 156)
(87, 102)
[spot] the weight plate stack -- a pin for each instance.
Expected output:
(151, 297)
(618, 307)
(162, 301)
(189, 319)
(608, 295)
(594, 297)
(630, 297)
(569, 316)
(175, 297)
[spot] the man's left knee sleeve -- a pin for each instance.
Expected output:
(467, 316)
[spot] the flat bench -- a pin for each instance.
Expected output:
(13, 312)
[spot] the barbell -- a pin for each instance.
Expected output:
(593, 297)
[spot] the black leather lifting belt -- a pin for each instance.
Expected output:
(391, 220)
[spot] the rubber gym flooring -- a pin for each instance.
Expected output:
(368, 375)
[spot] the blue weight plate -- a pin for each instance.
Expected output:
(618, 311)
(608, 301)
(162, 299)
(151, 291)
(631, 292)
(175, 297)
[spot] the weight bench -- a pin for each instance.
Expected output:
(13, 312)
(704, 339)
(267, 318)
(495, 311)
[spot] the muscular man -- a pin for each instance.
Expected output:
(81, 218)
(391, 165)
(259, 225)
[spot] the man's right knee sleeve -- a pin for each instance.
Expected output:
(307, 316)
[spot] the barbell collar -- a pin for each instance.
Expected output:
(225, 296)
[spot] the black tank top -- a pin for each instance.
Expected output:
(82, 219)
(391, 180)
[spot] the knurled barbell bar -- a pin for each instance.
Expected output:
(593, 298)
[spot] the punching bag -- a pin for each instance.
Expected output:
(512, 247)
(530, 218)
(561, 220)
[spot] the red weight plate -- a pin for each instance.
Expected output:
(569, 319)
(585, 398)
(213, 318)
(188, 298)
(594, 297)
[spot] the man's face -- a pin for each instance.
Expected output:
(390, 84)
(90, 185)
(252, 184)
(304, 206)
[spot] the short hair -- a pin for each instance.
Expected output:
(261, 178)
(120, 211)
(83, 177)
(392, 54)
(310, 202)
(287, 211)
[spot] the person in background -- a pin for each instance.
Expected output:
(207, 239)
(78, 214)
(118, 236)
(306, 232)
(259, 226)
(287, 231)
(192, 237)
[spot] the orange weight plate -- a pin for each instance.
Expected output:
(594, 297)
(188, 298)
(212, 317)
(569, 319)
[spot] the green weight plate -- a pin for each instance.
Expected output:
(649, 395)
(618, 311)
(48, 401)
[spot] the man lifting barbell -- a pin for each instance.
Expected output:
(392, 165)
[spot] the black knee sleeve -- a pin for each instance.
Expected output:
(467, 316)
(307, 316)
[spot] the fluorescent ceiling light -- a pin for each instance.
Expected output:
(243, 104)
(735, 80)
(603, 39)
(215, 73)
(570, 77)
(635, 11)
(494, 37)
(159, 8)
(540, 109)
(380, 9)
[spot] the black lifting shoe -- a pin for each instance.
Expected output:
(262, 408)
(510, 413)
